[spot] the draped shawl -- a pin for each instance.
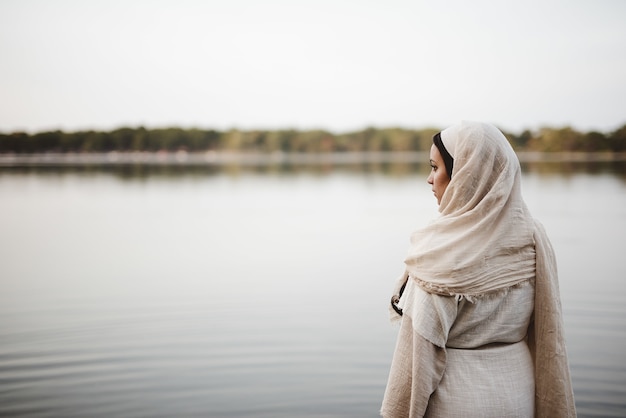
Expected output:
(485, 240)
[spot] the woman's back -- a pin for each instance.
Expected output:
(489, 369)
(473, 354)
(502, 318)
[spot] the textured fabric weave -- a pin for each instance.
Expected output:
(456, 358)
(554, 396)
(483, 240)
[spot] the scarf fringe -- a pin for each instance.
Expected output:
(394, 317)
(472, 298)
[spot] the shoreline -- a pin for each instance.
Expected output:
(220, 158)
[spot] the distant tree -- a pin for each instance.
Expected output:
(519, 142)
(595, 141)
(552, 140)
(47, 141)
(617, 140)
(139, 139)
(291, 140)
(15, 142)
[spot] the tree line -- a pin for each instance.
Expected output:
(370, 139)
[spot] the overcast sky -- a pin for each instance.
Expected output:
(333, 64)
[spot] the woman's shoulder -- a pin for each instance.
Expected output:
(432, 315)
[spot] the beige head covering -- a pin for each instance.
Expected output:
(483, 240)
(449, 138)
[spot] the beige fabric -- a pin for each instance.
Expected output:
(449, 138)
(455, 358)
(416, 370)
(490, 382)
(484, 247)
(554, 396)
(483, 240)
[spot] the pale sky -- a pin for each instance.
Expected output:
(333, 64)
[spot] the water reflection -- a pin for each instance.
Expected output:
(250, 290)
(389, 164)
(569, 168)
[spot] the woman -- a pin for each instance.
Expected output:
(481, 332)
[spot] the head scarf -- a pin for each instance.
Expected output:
(483, 239)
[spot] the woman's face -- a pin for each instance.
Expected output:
(438, 178)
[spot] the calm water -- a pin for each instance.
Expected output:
(258, 294)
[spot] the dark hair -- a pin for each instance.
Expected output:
(447, 158)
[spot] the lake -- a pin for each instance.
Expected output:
(232, 291)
